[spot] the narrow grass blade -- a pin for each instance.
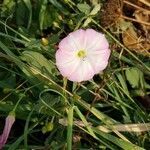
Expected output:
(70, 128)
(119, 142)
(85, 122)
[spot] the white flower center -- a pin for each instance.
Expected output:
(81, 54)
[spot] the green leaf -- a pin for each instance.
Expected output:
(42, 13)
(87, 21)
(84, 8)
(124, 25)
(96, 9)
(22, 13)
(124, 145)
(53, 39)
(85, 121)
(59, 6)
(47, 15)
(29, 6)
(38, 61)
(8, 3)
(9, 81)
(133, 75)
(7, 8)
(122, 82)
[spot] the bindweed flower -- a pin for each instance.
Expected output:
(8, 124)
(82, 54)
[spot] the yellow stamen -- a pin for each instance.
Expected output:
(81, 53)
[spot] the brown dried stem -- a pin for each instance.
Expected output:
(134, 20)
(137, 7)
(145, 2)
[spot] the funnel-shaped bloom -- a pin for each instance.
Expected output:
(82, 54)
(8, 124)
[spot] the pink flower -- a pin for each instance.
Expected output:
(8, 124)
(82, 54)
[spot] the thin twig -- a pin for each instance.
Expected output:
(145, 2)
(135, 6)
(134, 20)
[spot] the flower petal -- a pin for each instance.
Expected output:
(99, 60)
(66, 62)
(83, 72)
(77, 68)
(74, 41)
(8, 124)
(63, 57)
(95, 40)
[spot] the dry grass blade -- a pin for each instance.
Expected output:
(135, 13)
(136, 6)
(146, 2)
(141, 127)
(135, 20)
